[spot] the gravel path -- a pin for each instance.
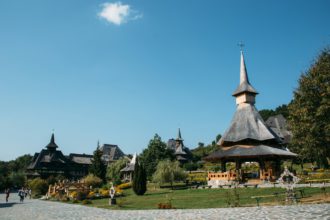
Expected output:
(45, 210)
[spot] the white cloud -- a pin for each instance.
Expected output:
(118, 13)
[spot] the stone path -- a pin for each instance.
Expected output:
(45, 210)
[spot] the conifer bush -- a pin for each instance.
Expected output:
(139, 179)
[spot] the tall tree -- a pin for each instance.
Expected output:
(98, 168)
(310, 112)
(155, 152)
(139, 179)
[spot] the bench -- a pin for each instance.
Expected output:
(222, 186)
(194, 187)
(250, 185)
(317, 181)
(258, 198)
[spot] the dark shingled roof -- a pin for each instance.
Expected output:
(249, 151)
(247, 124)
(244, 87)
(51, 158)
(48, 158)
(128, 168)
(111, 152)
(279, 126)
(81, 158)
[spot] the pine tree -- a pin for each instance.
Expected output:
(139, 179)
(98, 168)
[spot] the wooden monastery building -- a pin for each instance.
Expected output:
(52, 162)
(248, 139)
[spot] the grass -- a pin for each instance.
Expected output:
(199, 198)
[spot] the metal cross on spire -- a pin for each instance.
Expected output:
(241, 45)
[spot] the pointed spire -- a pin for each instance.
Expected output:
(179, 135)
(52, 139)
(243, 73)
(244, 86)
(52, 145)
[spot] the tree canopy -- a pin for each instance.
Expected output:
(310, 112)
(155, 152)
(282, 109)
(202, 150)
(12, 173)
(113, 170)
(168, 172)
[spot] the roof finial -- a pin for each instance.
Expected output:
(241, 45)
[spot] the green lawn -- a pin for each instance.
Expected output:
(198, 198)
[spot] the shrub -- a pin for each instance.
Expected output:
(91, 195)
(73, 195)
(197, 177)
(125, 185)
(51, 180)
(81, 195)
(165, 206)
(38, 186)
(65, 199)
(86, 202)
(91, 180)
(104, 192)
(119, 192)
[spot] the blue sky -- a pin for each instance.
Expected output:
(119, 72)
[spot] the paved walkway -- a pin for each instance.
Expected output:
(45, 210)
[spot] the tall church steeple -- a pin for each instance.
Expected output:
(245, 93)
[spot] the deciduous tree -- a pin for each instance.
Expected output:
(155, 152)
(310, 112)
(169, 172)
